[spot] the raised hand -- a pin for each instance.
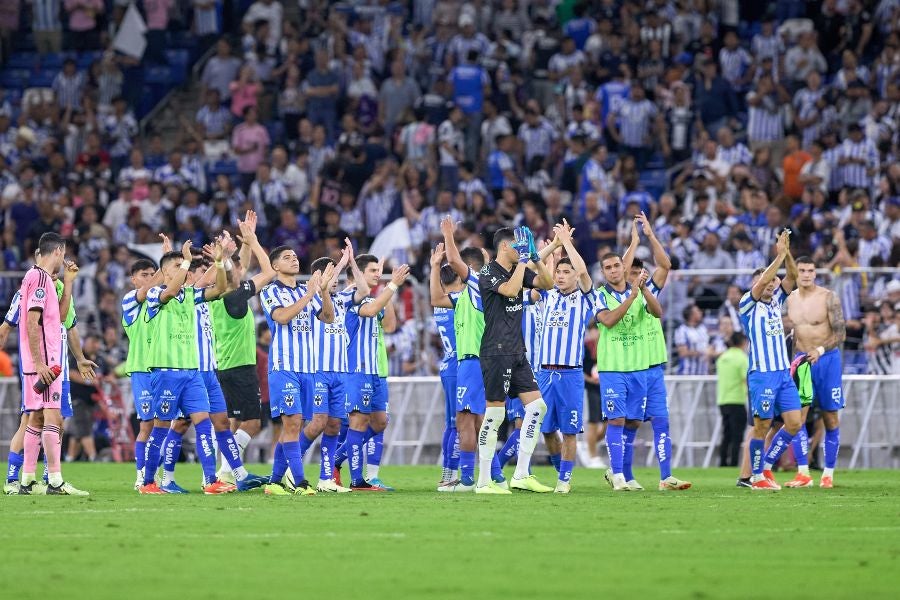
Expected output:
(186, 251)
(398, 277)
(166, 243)
(639, 279)
(229, 246)
(645, 223)
(448, 227)
(218, 251)
(248, 233)
(563, 233)
(380, 266)
(437, 256)
(327, 278)
(70, 272)
(251, 219)
(315, 282)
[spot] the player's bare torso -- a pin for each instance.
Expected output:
(808, 311)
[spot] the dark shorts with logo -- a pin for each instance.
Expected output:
(241, 388)
(507, 375)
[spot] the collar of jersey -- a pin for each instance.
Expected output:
(610, 289)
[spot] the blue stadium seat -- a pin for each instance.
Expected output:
(86, 59)
(158, 75)
(54, 60)
(43, 78)
(276, 130)
(654, 181)
(14, 78)
(178, 65)
(23, 60)
(223, 167)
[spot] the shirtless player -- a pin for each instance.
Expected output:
(819, 331)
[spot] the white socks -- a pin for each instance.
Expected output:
(243, 440)
(487, 442)
(528, 438)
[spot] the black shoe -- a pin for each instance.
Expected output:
(744, 483)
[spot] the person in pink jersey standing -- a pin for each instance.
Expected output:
(40, 344)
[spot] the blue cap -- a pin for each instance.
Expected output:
(685, 58)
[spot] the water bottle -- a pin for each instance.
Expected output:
(40, 386)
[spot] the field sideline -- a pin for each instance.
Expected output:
(714, 541)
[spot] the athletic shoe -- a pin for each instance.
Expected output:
(65, 489)
(562, 487)
(800, 481)
(530, 484)
(672, 484)
(35, 488)
(764, 485)
(503, 483)
(619, 484)
(304, 489)
(379, 483)
(173, 488)
(139, 480)
(595, 462)
(336, 473)
(461, 487)
(150, 488)
(447, 486)
(744, 483)
(492, 488)
(365, 486)
(608, 476)
(227, 476)
(826, 482)
(635, 486)
(329, 485)
(771, 477)
(276, 489)
(250, 482)
(11, 488)
(218, 487)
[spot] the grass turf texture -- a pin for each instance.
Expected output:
(714, 541)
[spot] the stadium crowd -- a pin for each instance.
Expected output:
(723, 121)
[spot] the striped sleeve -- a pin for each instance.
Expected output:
(270, 300)
(12, 315)
(199, 295)
(654, 289)
(153, 302)
(600, 302)
(780, 295)
(747, 303)
(131, 308)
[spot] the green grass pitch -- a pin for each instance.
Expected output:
(714, 541)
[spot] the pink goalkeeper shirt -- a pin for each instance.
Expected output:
(38, 292)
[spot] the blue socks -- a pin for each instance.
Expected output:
(153, 451)
(305, 443)
(171, 450)
(15, 465)
(140, 454)
(756, 452)
(663, 443)
(467, 468)
(565, 470)
(497, 470)
(800, 447)
(832, 445)
(354, 446)
(374, 449)
(780, 443)
(445, 447)
(229, 449)
(279, 464)
(555, 460)
(454, 450)
(510, 448)
(327, 450)
(628, 436)
(294, 460)
(616, 445)
(206, 451)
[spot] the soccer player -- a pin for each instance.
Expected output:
(769, 380)
(657, 406)
(41, 348)
(443, 283)
(503, 365)
(569, 306)
(176, 383)
(819, 331)
(290, 310)
(366, 396)
(622, 357)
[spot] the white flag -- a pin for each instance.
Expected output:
(130, 38)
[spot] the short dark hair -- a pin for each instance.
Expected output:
(169, 257)
(736, 340)
(320, 264)
(504, 234)
(686, 313)
(50, 242)
(276, 252)
(262, 328)
(565, 261)
(805, 260)
(759, 271)
(142, 264)
(608, 256)
(473, 257)
(637, 263)
(448, 275)
(362, 261)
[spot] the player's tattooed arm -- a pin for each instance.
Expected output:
(836, 318)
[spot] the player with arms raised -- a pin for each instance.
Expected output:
(819, 331)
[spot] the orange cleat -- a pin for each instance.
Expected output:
(771, 477)
(765, 485)
(799, 481)
(150, 488)
(336, 472)
(218, 487)
(826, 483)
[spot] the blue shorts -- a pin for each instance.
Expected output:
(623, 395)
(287, 393)
(563, 391)
(142, 392)
(330, 395)
(515, 409)
(826, 379)
(178, 391)
(470, 387)
(65, 401)
(772, 393)
(214, 391)
(448, 382)
(657, 398)
(381, 400)
(361, 391)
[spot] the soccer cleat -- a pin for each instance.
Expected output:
(336, 472)
(379, 483)
(764, 485)
(502, 483)
(461, 487)
(826, 482)
(329, 485)
(492, 488)
(227, 476)
(218, 487)
(11, 488)
(304, 489)
(139, 480)
(608, 476)
(65, 489)
(800, 481)
(530, 484)
(619, 484)
(447, 486)
(635, 486)
(365, 486)
(771, 477)
(251, 482)
(562, 487)
(150, 488)
(276, 489)
(672, 484)
(744, 482)
(173, 488)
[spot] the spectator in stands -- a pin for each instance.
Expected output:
(321, 88)
(83, 23)
(709, 290)
(221, 70)
(47, 26)
(244, 91)
(250, 142)
(794, 160)
(68, 85)
(803, 59)
(692, 343)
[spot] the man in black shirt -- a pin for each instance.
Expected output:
(504, 368)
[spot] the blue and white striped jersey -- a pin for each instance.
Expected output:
(331, 339)
(362, 351)
(635, 120)
(766, 123)
(854, 174)
(12, 315)
(697, 339)
(763, 325)
(532, 328)
(206, 341)
(293, 346)
(443, 321)
(566, 317)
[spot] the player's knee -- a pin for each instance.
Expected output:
(831, 420)
(220, 421)
(536, 407)
(251, 427)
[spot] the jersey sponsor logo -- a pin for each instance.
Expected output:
(485, 270)
(512, 309)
